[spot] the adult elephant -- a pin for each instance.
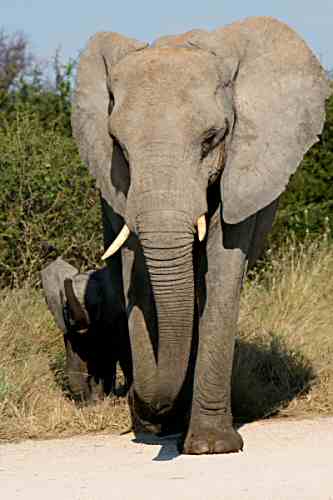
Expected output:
(191, 141)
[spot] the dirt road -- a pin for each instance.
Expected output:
(282, 460)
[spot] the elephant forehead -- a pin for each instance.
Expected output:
(183, 39)
(165, 70)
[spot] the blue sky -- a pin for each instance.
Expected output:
(69, 23)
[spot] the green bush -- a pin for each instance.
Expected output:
(51, 100)
(306, 207)
(47, 199)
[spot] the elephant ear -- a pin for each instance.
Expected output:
(85, 298)
(92, 104)
(279, 91)
(53, 279)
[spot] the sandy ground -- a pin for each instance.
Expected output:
(281, 460)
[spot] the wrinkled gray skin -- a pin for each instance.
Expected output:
(203, 123)
(89, 312)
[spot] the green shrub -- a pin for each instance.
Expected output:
(306, 207)
(47, 199)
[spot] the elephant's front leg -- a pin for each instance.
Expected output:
(210, 429)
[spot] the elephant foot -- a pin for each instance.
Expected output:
(207, 441)
(142, 420)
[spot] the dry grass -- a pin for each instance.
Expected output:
(283, 357)
(32, 403)
(285, 348)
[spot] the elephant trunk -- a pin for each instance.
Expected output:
(166, 238)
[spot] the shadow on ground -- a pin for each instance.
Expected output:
(168, 445)
(267, 376)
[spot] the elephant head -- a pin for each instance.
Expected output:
(162, 126)
(86, 309)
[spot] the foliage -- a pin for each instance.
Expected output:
(47, 199)
(306, 207)
(48, 203)
(49, 99)
(14, 59)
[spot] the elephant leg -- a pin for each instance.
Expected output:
(124, 354)
(76, 371)
(120, 275)
(210, 429)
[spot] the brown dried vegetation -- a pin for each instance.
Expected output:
(283, 361)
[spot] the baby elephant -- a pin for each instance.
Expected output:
(87, 309)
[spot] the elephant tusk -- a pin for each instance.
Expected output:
(202, 227)
(118, 242)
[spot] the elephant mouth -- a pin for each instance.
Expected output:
(125, 233)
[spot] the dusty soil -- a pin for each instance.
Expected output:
(282, 460)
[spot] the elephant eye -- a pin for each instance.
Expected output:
(207, 144)
(212, 138)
